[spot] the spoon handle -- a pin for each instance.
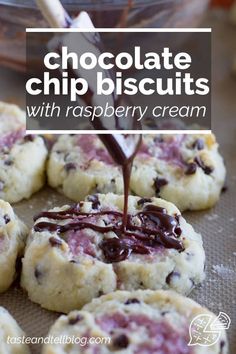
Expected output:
(54, 13)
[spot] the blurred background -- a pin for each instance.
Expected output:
(16, 15)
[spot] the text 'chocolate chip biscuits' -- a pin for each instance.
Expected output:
(140, 322)
(22, 157)
(13, 234)
(10, 333)
(77, 253)
(184, 169)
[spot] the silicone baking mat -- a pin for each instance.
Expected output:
(216, 225)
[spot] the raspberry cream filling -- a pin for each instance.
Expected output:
(8, 140)
(88, 145)
(151, 336)
(165, 149)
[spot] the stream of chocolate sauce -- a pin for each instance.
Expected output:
(123, 149)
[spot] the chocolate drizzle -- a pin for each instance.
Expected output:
(191, 169)
(154, 229)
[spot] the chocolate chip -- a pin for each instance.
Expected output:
(29, 137)
(55, 242)
(143, 201)
(132, 301)
(207, 169)
(121, 341)
(94, 200)
(158, 183)
(191, 168)
(198, 144)
(100, 293)
(8, 162)
(70, 166)
(38, 274)
(171, 276)
(73, 321)
(6, 218)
